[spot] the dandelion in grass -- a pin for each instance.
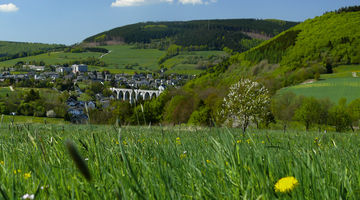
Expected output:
(183, 155)
(239, 141)
(27, 175)
(2, 162)
(248, 141)
(286, 184)
(208, 161)
(28, 196)
(263, 142)
(17, 171)
(178, 141)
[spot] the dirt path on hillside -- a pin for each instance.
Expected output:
(105, 54)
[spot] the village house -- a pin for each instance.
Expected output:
(79, 68)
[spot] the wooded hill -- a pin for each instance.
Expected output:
(314, 46)
(209, 34)
(13, 50)
(300, 53)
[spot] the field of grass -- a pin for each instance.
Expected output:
(121, 59)
(4, 91)
(343, 71)
(6, 119)
(52, 58)
(333, 88)
(175, 163)
(176, 65)
(12, 48)
(122, 55)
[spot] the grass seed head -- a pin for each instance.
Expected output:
(79, 161)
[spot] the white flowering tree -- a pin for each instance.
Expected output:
(247, 102)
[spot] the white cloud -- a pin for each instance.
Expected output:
(191, 2)
(128, 3)
(8, 8)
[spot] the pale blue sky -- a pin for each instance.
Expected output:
(71, 21)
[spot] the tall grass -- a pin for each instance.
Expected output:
(176, 163)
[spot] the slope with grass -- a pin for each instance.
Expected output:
(122, 58)
(327, 41)
(11, 50)
(51, 58)
(343, 83)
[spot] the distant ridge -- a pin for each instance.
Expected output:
(211, 34)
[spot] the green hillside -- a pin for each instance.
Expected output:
(12, 50)
(314, 46)
(204, 34)
(292, 57)
(126, 58)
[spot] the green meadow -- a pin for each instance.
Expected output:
(51, 58)
(174, 163)
(340, 84)
(7, 119)
(178, 63)
(122, 59)
(139, 59)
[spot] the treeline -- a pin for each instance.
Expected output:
(31, 103)
(214, 34)
(88, 61)
(86, 49)
(316, 113)
(348, 9)
(176, 107)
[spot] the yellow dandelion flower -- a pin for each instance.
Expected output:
(17, 171)
(178, 141)
(2, 162)
(239, 141)
(27, 175)
(208, 161)
(263, 142)
(286, 184)
(182, 156)
(248, 141)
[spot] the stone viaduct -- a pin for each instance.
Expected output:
(135, 94)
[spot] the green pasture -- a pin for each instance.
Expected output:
(177, 65)
(7, 119)
(122, 59)
(332, 88)
(174, 163)
(343, 71)
(4, 91)
(52, 58)
(122, 55)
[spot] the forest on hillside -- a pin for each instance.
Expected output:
(210, 34)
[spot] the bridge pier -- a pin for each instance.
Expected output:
(135, 95)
